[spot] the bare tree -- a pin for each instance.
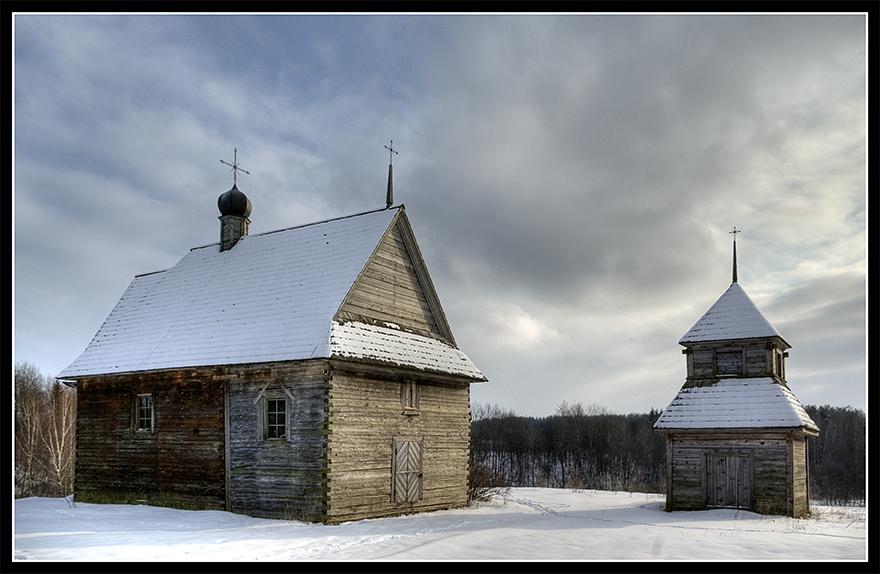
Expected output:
(57, 436)
(45, 419)
(29, 415)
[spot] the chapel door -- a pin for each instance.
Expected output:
(729, 480)
(407, 471)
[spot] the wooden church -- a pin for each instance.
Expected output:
(736, 436)
(307, 373)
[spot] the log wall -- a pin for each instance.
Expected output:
(209, 450)
(800, 476)
(179, 464)
(366, 417)
(778, 474)
(279, 478)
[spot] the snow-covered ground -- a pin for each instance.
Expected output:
(528, 524)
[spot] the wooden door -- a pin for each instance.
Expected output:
(407, 471)
(729, 480)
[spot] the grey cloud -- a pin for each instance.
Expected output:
(579, 173)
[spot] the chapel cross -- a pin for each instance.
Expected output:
(391, 151)
(235, 168)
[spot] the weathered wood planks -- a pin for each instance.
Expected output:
(180, 463)
(366, 418)
(777, 473)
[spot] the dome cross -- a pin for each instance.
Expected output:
(235, 168)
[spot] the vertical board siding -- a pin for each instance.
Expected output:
(367, 418)
(389, 290)
(180, 464)
(273, 477)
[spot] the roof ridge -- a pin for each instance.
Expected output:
(302, 225)
(339, 218)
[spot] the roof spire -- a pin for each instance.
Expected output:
(389, 195)
(734, 232)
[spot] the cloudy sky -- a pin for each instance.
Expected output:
(571, 180)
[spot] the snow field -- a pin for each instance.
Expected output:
(528, 524)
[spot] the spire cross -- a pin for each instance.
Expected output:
(734, 232)
(391, 151)
(235, 168)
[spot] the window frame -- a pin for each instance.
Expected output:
(274, 391)
(137, 417)
(268, 425)
(409, 397)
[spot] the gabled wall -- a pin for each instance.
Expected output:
(395, 287)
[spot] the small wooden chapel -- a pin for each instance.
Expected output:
(736, 436)
(306, 373)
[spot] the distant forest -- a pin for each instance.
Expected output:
(589, 448)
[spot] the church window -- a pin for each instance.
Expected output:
(409, 397)
(276, 418)
(144, 413)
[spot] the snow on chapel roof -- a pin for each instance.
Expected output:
(273, 297)
(733, 316)
(736, 403)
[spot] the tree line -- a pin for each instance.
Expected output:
(578, 447)
(590, 448)
(837, 455)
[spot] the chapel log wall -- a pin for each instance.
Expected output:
(779, 482)
(180, 463)
(277, 478)
(366, 417)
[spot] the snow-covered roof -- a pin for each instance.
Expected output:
(733, 316)
(272, 297)
(392, 345)
(735, 403)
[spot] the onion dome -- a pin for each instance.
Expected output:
(234, 202)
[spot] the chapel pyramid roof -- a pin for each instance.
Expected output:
(732, 316)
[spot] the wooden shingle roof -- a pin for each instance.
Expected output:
(273, 297)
